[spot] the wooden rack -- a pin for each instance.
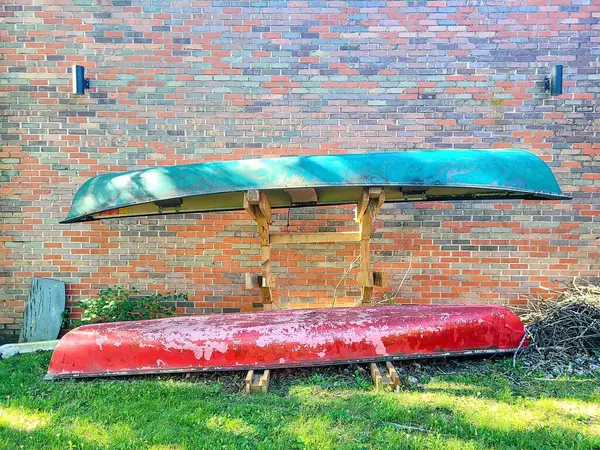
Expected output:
(257, 206)
(384, 377)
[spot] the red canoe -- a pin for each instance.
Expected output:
(291, 338)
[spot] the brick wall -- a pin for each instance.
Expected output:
(179, 82)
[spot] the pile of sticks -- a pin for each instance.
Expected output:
(563, 328)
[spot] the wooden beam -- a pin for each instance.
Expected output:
(257, 205)
(380, 199)
(315, 238)
(257, 381)
(375, 192)
(366, 296)
(392, 373)
(367, 208)
(365, 277)
(253, 196)
(265, 207)
(362, 205)
(302, 195)
(249, 203)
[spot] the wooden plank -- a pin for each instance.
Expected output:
(249, 207)
(392, 374)
(375, 192)
(266, 294)
(367, 296)
(379, 203)
(365, 277)
(315, 238)
(362, 205)
(370, 203)
(376, 375)
(253, 196)
(257, 205)
(44, 309)
(302, 195)
(264, 379)
(384, 379)
(265, 207)
(248, 380)
(257, 381)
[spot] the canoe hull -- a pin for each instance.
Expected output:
(333, 180)
(284, 339)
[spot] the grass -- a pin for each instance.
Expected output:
(485, 406)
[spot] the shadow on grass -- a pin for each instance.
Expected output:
(307, 408)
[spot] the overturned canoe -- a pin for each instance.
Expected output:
(316, 180)
(290, 338)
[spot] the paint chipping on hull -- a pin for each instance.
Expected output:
(284, 339)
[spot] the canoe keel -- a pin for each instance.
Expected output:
(280, 339)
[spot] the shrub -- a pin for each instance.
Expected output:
(120, 304)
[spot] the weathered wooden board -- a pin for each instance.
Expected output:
(44, 309)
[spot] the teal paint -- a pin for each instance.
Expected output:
(507, 173)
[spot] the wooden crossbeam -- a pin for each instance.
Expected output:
(384, 378)
(257, 381)
(315, 238)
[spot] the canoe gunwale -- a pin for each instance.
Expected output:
(440, 355)
(521, 194)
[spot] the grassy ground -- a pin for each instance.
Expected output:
(482, 406)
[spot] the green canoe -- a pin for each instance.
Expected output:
(431, 175)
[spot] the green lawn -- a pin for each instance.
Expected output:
(488, 406)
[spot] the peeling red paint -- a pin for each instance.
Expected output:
(284, 339)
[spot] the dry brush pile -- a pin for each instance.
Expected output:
(564, 331)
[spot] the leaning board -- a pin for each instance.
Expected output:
(44, 309)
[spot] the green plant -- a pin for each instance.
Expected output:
(120, 304)
(65, 318)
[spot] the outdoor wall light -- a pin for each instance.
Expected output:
(554, 83)
(80, 83)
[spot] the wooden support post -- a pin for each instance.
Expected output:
(258, 207)
(368, 206)
(365, 277)
(387, 378)
(257, 381)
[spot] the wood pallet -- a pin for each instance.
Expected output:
(258, 208)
